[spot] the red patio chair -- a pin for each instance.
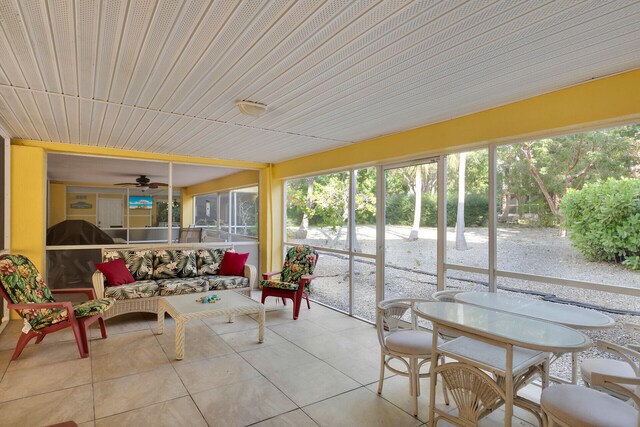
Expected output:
(295, 278)
(26, 292)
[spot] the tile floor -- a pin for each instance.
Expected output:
(319, 370)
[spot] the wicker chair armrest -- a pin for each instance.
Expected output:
(614, 383)
(89, 292)
(627, 354)
(251, 273)
(98, 283)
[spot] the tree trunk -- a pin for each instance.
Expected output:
(550, 199)
(505, 204)
(461, 242)
(304, 224)
(417, 211)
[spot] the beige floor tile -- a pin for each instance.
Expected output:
(121, 324)
(275, 317)
(49, 408)
(298, 329)
(125, 342)
(220, 325)
(339, 322)
(278, 357)
(396, 391)
(248, 340)
(181, 412)
(210, 373)
(328, 346)
(311, 383)
(200, 343)
(10, 334)
(366, 336)
(495, 419)
(87, 424)
(38, 356)
(242, 403)
(5, 359)
(133, 361)
(137, 391)
(361, 365)
(26, 382)
(295, 418)
(359, 407)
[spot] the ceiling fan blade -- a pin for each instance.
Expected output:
(128, 184)
(157, 184)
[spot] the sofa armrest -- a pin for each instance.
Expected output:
(251, 273)
(98, 283)
(270, 274)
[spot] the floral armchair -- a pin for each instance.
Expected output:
(26, 292)
(295, 278)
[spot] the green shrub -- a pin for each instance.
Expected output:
(604, 221)
(476, 210)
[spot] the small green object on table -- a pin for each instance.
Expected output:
(208, 299)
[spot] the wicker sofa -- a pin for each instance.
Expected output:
(165, 271)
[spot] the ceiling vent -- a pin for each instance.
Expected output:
(250, 108)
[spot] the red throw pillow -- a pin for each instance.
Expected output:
(233, 264)
(116, 272)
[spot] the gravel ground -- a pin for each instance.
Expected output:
(411, 268)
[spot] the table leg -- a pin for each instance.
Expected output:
(432, 375)
(231, 318)
(508, 381)
(261, 316)
(179, 339)
(574, 368)
(160, 327)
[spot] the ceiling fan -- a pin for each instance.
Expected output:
(143, 183)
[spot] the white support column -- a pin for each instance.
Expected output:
(492, 219)
(170, 204)
(380, 220)
(442, 222)
(352, 234)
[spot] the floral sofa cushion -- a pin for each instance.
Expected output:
(139, 289)
(174, 263)
(226, 282)
(208, 261)
(187, 285)
(139, 262)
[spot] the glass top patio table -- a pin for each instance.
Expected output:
(567, 315)
(504, 327)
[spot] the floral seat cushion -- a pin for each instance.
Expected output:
(82, 309)
(139, 289)
(139, 263)
(300, 261)
(208, 261)
(188, 285)
(24, 285)
(226, 282)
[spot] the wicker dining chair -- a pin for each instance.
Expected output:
(401, 339)
(569, 405)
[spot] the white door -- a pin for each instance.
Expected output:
(110, 213)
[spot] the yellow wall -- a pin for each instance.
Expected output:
(605, 102)
(57, 197)
(238, 180)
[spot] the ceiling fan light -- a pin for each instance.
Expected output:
(250, 108)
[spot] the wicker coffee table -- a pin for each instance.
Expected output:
(185, 307)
